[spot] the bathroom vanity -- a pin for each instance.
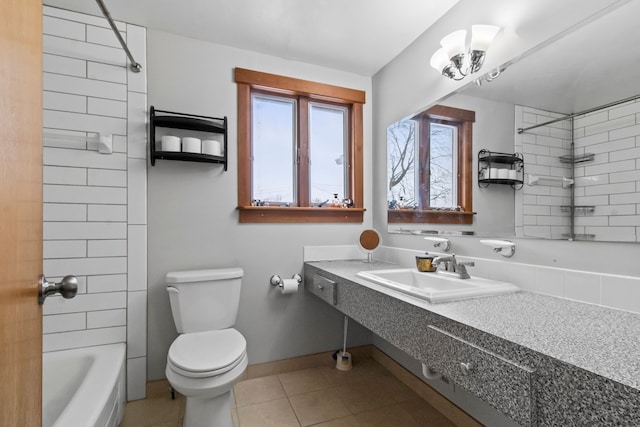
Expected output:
(540, 360)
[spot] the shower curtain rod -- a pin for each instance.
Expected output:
(590, 110)
(134, 66)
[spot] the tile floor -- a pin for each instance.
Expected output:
(366, 396)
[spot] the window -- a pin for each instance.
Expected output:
(273, 133)
(299, 143)
(328, 141)
(443, 169)
(429, 167)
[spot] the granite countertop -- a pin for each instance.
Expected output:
(594, 338)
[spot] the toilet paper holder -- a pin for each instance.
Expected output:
(276, 280)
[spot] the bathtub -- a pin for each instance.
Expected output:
(83, 387)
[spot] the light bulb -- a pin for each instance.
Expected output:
(440, 60)
(482, 36)
(454, 43)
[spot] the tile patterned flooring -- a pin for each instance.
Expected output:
(366, 396)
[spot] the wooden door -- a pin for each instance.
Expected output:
(20, 212)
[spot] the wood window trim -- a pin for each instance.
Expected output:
(464, 119)
(248, 80)
(429, 216)
(299, 214)
(293, 86)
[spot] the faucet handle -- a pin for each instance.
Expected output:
(461, 269)
(467, 263)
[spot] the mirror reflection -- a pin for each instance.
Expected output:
(582, 173)
(440, 141)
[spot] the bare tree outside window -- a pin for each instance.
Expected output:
(442, 166)
(401, 148)
(402, 173)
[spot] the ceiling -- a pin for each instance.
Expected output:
(358, 36)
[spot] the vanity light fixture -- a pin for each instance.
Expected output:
(503, 247)
(454, 60)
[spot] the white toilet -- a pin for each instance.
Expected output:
(209, 355)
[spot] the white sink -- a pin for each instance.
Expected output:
(434, 287)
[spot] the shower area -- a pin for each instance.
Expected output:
(583, 177)
(94, 149)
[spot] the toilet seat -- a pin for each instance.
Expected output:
(207, 353)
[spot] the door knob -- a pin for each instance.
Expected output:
(68, 288)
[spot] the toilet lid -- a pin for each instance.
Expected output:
(208, 352)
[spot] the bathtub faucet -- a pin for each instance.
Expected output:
(448, 265)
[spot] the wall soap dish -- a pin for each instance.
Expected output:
(440, 242)
(503, 247)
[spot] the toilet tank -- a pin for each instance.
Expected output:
(204, 300)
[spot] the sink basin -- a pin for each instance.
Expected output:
(434, 287)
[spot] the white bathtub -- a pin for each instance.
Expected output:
(83, 387)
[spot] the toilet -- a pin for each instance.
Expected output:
(209, 355)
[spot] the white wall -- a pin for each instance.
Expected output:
(407, 84)
(193, 222)
(95, 204)
(493, 131)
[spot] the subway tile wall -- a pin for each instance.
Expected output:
(95, 204)
(538, 208)
(610, 183)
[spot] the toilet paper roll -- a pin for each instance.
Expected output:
(170, 143)
(212, 147)
(289, 286)
(191, 145)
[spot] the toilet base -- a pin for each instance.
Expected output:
(209, 412)
(209, 399)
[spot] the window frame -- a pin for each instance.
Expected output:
(425, 179)
(346, 190)
(294, 135)
(463, 120)
(248, 81)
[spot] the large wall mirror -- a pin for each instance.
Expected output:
(581, 174)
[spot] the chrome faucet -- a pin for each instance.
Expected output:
(448, 265)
